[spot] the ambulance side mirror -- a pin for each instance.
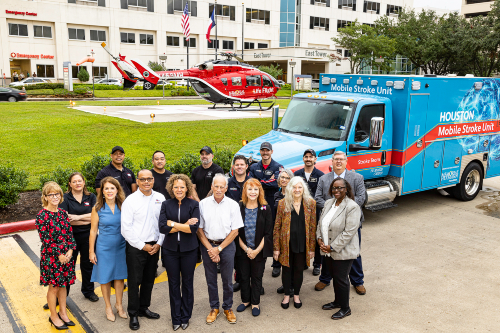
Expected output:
(376, 132)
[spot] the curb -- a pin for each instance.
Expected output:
(8, 228)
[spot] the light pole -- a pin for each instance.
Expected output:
(163, 58)
(93, 88)
(292, 65)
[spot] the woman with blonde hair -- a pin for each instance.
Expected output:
(294, 236)
(109, 257)
(57, 270)
(254, 243)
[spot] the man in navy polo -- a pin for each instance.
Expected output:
(311, 176)
(115, 169)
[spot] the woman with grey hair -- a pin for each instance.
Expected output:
(294, 236)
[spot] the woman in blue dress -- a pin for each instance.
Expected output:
(109, 257)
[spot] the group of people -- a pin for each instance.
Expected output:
(20, 76)
(235, 223)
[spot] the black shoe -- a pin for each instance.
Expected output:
(291, 292)
(236, 287)
(148, 314)
(341, 314)
(60, 328)
(276, 272)
(262, 292)
(218, 268)
(67, 323)
(330, 306)
(285, 305)
(92, 298)
(297, 305)
(280, 290)
(185, 326)
(134, 323)
(316, 271)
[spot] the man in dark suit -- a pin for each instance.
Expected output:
(339, 163)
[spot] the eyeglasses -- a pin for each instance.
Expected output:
(338, 159)
(53, 195)
(337, 188)
(146, 180)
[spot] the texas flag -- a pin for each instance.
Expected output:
(211, 25)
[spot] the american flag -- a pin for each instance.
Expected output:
(185, 22)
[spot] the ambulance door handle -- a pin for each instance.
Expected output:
(382, 159)
(436, 163)
(419, 143)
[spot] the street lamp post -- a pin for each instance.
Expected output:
(292, 65)
(93, 88)
(163, 58)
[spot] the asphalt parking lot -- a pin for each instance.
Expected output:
(430, 264)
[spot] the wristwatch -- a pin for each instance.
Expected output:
(219, 248)
(173, 224)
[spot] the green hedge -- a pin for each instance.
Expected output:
(12, 182)
(40, 92)
(97, 86)
(59, 175)
(43, 86)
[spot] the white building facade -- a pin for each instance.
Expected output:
(37, 36)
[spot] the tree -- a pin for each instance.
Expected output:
(83, 75)
(155, 66)
(365, 45)
(274, 71)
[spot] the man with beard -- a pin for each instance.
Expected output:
(203, 174)
(160, 174)
(311, 176)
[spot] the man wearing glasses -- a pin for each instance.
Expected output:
(116, 170)
(356, 180)
(140, 214)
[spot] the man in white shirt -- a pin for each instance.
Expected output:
(140, 214)
(220, 219)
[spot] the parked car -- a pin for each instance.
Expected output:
(315, 84)
(12, 95)
(28, 81)
(116, 82)
(281, 82)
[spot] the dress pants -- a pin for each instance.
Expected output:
(339, 269)
(317, 252)
(141, 271)
(180, 265)
(294, 274)
(82, 248)
(355, 275)
(226, 272)
(251, 273)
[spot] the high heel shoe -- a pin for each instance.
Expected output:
(67, 323)
(60, 328)
(125, 316)
(110, 317)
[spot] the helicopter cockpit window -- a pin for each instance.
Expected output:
(253, 81)
(267, 81)
(236, 81)
(224, 81)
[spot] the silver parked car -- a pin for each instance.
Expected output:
(29, 81)
(116, 82)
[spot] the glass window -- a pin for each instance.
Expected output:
(178, 5)
(132, 2)
(37, 31)
(172, 41)
(227, 44)
(211, 45)
(392, 9)
(249, 46)
(76, 34)
(232, 13)
(192, 42)
(146, 39)
(98, 35)
(248, 15)
(371, 6)
(18, 29)
(236, 81)
(362, 129)
(45, 70)
(268, 17)
(253, 81)
(100, 72)
(267, 81)
(126, 37)
(224, 81)
(142, 3)
(262, 45)
(347, 4)
(76, 69)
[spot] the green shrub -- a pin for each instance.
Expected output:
(185, 164)
(167, 87)
(146, 163)
(43, 86)
(80, 91)
(223, 157)
(12, 182)
(138, 87)
(88, 86)
(286, 86)
(83, 75)
(183, 92)
(40, 92)
(60, 91)
(58, 175)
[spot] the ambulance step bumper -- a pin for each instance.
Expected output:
(376, 208)
(380, 195)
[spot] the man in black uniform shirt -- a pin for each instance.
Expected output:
(311, 177)
(160, 174)
(115, 169)
(202, 175)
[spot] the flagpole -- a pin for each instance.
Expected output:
(216, 41)
(187, 59)
(243, 18)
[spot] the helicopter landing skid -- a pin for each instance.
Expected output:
(246, 107)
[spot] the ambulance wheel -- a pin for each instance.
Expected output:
(470, 184)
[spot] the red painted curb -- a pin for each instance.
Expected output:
(8, 228)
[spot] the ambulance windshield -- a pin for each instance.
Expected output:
(320, 119)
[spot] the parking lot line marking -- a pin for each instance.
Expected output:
(23, 294)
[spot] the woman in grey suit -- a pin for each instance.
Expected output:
(337, 235)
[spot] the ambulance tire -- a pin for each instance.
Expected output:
(470, 183)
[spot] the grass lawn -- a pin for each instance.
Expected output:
(38, 136)
(131, 93)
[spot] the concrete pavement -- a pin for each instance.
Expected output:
(430, 264)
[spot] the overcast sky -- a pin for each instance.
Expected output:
(445, 4)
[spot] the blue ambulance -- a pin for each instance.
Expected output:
(404, 134)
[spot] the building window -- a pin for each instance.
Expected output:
(100, 3)
(18, 29)
(347, 4)
(393, 10)
(321, 2)
(319, 23)
(76, 69)
(178, 6)
(172, 41)
(42, 31)
(148, 4)
(98, 35)
(146, 39)
(290, 20)
(236, 81)
(222, 10)
(262, 45)
(249, 46)
(469, 2)
(45, 70)
(347, 53)
(211, 45)
(371, 7)
(76, 34)
(342, 24)
(228, 45)
(128, 38)
(470, 15)
(100, 72)
(339, 51)
(255, 15)
(192, 42)
(137, 3)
